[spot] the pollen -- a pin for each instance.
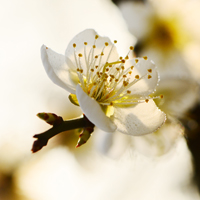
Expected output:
(85, 43)
(81, 70)
(94, 46)
(116, 80)
(96, 66)
(161, 96)
(74, 45)
(102, 53)
(149, 70)
(149, 76)
(106, 43)
(122, 67)
(128, 92)
(145, 57)
(137, 76)
(78, 69)
(110, 65)
(96, 56)
(146, 100)
(80, 55)
(120, 57)
(132, 67)
(124, 76)
(130, 72)
(126, 57)
(96, 36)
(115, 41)
(107, 69)
(136, 60)
(92, 70)
(131, 47)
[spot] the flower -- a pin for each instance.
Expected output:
(113, 92)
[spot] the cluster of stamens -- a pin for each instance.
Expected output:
(108, 82)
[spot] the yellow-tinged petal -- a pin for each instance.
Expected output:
(93, 111)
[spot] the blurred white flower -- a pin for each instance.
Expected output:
(114, 93)
(163, 33)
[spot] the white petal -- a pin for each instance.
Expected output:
(142, 119)
(93, 111)
(145, 85)
(88, 36)
(180, 95)
(160, 142)
(56, 69)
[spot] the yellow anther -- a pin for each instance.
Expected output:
(96, 36)
(106, 43)
(111, 103)
(102, 53)
(96, 56)
(161, 96)
(85, 43)
(107, 69)
(110, 65)
(116, 80)
(126, 57)
(80, 55)
(124, 76)
(74, 45)
(94, 46)
(137, 76)
(149, 76)
(130, 72)
(146, 100)
(132, 67)
(112, 76)
(115, 41)
(117, 68)
(131, 47)
(125, 83)
(78, 69)
(128, 92)
(120, 57)
(149, 70)
(111, 80)
(145, 57)
(106, 75)
(81, 70)
(123, 61)
(46, 47)
(92, 70)
(96, 66)
(122, 67)
(136, 60)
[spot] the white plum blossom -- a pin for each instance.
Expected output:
(114, 93)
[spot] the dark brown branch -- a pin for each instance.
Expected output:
(42, 138)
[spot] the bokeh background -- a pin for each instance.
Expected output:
(165, 31)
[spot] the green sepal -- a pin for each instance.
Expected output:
(73, 99)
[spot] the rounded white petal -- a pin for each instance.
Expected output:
(180, 95)
(56, 69)
(141, 119)
(88, 51)
(93, 111)
(160, 142)
(148, 79)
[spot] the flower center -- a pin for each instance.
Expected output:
(108, 83)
